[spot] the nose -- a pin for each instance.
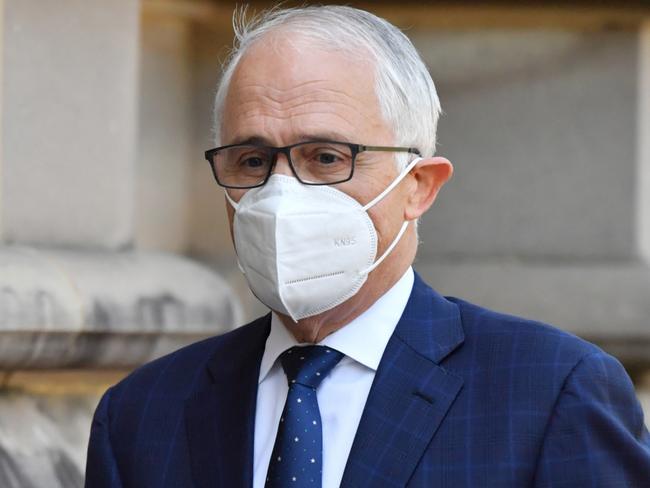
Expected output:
(282, 165)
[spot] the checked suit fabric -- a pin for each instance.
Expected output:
(297, 456)
(463, 397)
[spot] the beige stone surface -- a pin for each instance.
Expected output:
(43, 439)
(542, 128)
(74, 309)
(2, 10)
(70, 86)
(165, 153)
(643, 184)
(209, 236)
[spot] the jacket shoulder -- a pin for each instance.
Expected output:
(521, 337)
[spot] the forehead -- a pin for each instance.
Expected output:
(286, 88)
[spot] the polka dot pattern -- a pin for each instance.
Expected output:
(298, 450)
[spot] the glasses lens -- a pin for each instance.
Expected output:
(322, 162)
(241, 166)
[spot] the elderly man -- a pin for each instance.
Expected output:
(361, 375)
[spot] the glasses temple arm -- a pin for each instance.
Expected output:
(411, 150)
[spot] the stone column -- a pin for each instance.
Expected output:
(2, 36)
(643, 140)
(547, 215)
(643, 191)
(70, 89)
(165, 153)
(92, 219)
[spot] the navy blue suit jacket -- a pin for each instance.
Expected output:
(463, 397)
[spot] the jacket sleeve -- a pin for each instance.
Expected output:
(101, 467)
(595, 435)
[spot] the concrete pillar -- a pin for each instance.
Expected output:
(209, 237)
(542, 128)
(79, 306)
(548, 212)
(2, 15)
(643, 139)
(74, 309)
(165, 151)
(70, 86)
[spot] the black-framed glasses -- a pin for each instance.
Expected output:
(312, 162)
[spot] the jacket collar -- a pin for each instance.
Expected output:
(220, 417)
(410, 395)
(431, 324)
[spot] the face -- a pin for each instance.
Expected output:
(285, 91)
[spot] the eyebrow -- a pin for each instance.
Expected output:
(304, 137)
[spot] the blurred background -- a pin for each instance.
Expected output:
(114, 245)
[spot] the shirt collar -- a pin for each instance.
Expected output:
(364, 339)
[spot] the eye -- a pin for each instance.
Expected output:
(252, 159)
(252, 162)
(326, 154)
(329, 157)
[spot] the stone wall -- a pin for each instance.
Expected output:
(542, 217)
(95, 200)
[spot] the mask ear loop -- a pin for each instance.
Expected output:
(232, 203)
(390, 187)
(387, 251)
(378, 198)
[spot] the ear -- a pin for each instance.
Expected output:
(426, 179)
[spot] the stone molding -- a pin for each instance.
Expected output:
(65, 308)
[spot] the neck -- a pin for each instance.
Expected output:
(315, 329)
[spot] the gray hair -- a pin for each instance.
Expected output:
(405, 91)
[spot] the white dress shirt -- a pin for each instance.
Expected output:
(342, 395)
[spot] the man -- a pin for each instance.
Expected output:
(362, 375)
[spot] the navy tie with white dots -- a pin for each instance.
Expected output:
(297, 458)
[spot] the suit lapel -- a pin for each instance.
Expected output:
(220, 417)
(410, 395)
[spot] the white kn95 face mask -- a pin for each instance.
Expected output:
(306, 249)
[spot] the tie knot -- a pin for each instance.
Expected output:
(309, 365)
